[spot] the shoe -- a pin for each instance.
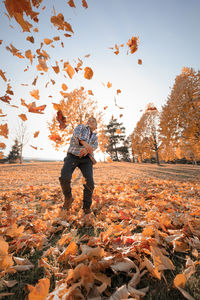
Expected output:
(67, 204)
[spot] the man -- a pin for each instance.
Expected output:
(82, 144)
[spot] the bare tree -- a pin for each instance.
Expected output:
(22, 137)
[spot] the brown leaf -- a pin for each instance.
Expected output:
(30, 39)
(35, 94)
(84, 3)
(2, 75)
(48, 41)
(71, 3)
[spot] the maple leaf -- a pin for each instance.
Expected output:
(14, 51)
(133, 44)
(84, 3)
(36, 134)
(61, 119)
(35, 94)
(2, 146)
(56, 69)
(71, 3)
(30, 39)
(40, 291)
(109, 85)
(55, 137)
(23, 117)
(4, 130)
(48, 41)
(64, 87)
(59, 22)
(28, 55)
(69, 69)
(88, 73)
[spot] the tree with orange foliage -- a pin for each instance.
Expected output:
(145, 137)
(179, 123)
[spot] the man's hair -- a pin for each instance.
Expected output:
(92, 118)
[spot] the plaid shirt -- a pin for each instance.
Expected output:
(82, 133)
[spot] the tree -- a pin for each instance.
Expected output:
(77, 107)
(145, 137)
(179, 122)
(14, 154)
(23, 137)
(117, 144)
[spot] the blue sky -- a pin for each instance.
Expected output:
(169, 40)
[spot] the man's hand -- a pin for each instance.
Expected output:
(87, 147)
(83, 152)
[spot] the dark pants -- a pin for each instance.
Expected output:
(86, 167)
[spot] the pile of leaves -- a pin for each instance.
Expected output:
(142, 240)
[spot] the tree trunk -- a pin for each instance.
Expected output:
(157, 158)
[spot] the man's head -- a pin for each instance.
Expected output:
(92, 123)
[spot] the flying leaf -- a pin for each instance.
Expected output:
(61, 119)
(55, 137)
(48, 41)
(90, 92)
(28, 55)
(4, 130)
(64, 87)
(30, 39)
(133, 44)
(2, 75)
(70, 71)
(9, 91)
(56, 106)
(35, 80)
(56, 69)
(109, 84)
(36, 134)
(2, 146)
(35, 94)
(14, 51)
(71, 3)
(56, 38)
(118, 92)
(42, 65)
(33, 147)
(88, 73)
(139, 62)
(84, 3)
(23, 117)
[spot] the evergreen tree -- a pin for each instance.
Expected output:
(14, 154)
(117, 146)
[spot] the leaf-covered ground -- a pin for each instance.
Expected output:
(142, 240)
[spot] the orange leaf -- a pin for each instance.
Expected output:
(56, 38)
(84, 3)
(70, 71)
(4, 130)
(2, 75)
(71, 249)
(139, 62)
(28, 55)
(48, 41)
(2, 146)
(90, 92)
(56, 69)
(133, 44)
(30, 39)
(118, 92)
(35, 94)
(61, 119)
(23, 117)
(36, 134)
(56, 106)
(64, 87)
(55, 137)
(180, 280)
(88, 73)
(42, 65)
(40, 291)
(109, 84)
(71, 3)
